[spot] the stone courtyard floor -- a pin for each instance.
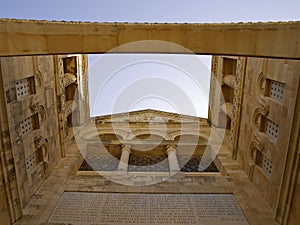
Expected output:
(66, 178)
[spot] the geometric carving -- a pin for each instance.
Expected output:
(29, 124)
(237, 99)
(265, 164)
(271, 129)
(30, 163)
(25, 87)
(276, 90)
(213, 100)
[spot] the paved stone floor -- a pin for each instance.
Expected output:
(65, 177)
(135, 208)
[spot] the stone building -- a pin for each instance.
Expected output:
(38, 100)
(257, 105)
(146, 141)
(248, 148)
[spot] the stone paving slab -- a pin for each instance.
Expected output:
(135, 208)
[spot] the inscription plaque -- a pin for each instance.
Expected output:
(127, 208)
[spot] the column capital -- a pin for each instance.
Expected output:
(126, 148)
(170, 148)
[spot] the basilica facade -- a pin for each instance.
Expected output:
(248, 147)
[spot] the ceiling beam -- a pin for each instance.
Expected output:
(33, 37)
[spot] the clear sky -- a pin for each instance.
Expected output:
(188, 86)
(153, 11)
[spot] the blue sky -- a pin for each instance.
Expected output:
(188, 11)
(153, 11)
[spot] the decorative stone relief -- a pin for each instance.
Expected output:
(260, 85)
(254, 146)
(237, 99)
(213, 83)
(261, 110)
(147, 118)
(257, 116)
(60, 68)
(39, 80)
(69, 79)
(24, 87)
(214, 65)
(40, 109)
(39, 141)
(168, 137)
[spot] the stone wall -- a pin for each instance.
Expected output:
(10, 209)
(226, 91)
(264, 124)
(34, 117)
(268, 109)
(72, 95)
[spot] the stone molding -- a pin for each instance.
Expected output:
(262, 110)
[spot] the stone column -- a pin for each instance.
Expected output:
(172, 158)
(123, 163)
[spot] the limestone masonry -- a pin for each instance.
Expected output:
(239, 166)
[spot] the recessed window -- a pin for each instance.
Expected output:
(276, 90)
(31, 162)
(229, 66)
(29, 124)
(70, 65)
(264, 163)
(25, 87)
(34, 159)
(270, 128)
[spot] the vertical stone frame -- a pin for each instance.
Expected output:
(237, 103)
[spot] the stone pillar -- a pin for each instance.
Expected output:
(123, 163)
(172, 158)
